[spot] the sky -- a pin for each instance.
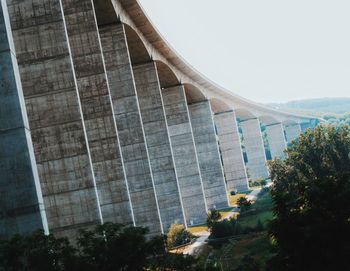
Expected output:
(263, 50)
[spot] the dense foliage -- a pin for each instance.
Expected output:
(178, 235)
(311, 195)
(109, 247)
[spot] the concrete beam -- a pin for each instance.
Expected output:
(208, 155)
(231, 151)
(55, 116)
(292, 132)
(130, 127)
(185, 158)
(254, 147)
(158, 144)
(21, 201)
(276, 139)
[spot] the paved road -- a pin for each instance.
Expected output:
(195, 248)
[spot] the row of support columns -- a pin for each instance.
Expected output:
(108, 143)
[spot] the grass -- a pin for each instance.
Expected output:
(255, 245)
(197, 229)
(260, 210)
(233, 199)
(252, 220)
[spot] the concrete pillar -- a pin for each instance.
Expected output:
(208, 155)
(98, 113)
(158, 144)
(185, 158)
(292, 132)
(55, 117)
(129, 123)
(231, 151)
(276, 139)
(254, 146)
(22, 207)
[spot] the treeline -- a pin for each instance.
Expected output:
(108, 247)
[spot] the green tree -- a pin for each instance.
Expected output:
(311, 195)
(244, 203)
(212, 217)
(37, 252)
(178, 235)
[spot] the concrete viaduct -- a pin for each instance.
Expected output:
(101, 120)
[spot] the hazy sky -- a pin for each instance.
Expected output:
(264, 50)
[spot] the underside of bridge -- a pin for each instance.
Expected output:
(102, 121)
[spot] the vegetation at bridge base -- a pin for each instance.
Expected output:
(178, 236)
(109, 247)
(311, 196)
(309, 205)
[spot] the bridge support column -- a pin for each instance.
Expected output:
(185, 158)
(231, 152)
(276, 139)
(98, 113)
(55, 116)
(158, 144)
(208, 155)
(21, 200)
(292, 132)
(254, 146)
(130, 127)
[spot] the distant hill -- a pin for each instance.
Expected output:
(316, 106)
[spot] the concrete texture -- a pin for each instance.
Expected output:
(22, 208)
(254, 148)
(129, 123)
(231, 151)
(158, 144)
(208, 155)
(276, 139)
(55, 117)
(292, 132)
(99, 146)
(185, 158)
(97, 110)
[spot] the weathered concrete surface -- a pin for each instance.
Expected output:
(158, 144)
(276, 139)
(54, 114)
(129, 123)
(185, 158)
(208, 155)
(254, 147)
(22, 208)
(292, 132)
(97, 110)
(231, 151)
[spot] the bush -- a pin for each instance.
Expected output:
(178, 236)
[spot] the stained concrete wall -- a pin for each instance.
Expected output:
(97, 110)
(231, 151)
(276, 139)
(129, 123)
(158, 144)
(185, 158)
(208, 155)
(22, 208)
(292, 132)
(254, 147)
(55, 117)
